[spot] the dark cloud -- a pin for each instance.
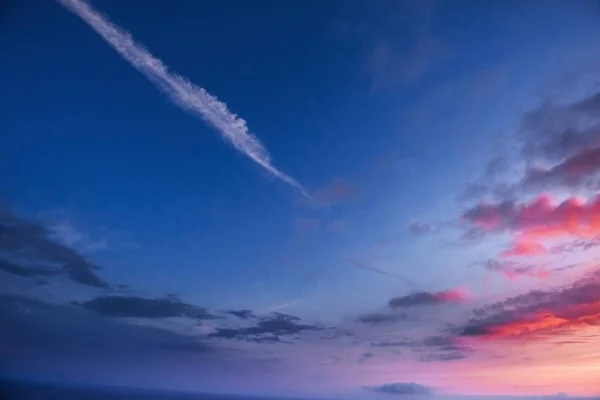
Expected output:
(539, 314)
(268, 329)
(555, 132)
(243, 314)
(34, 330)
(402, 388)
(421, 228)
(22, 239)
(576, 246)
(428, 299)
(365, 357)
(438, 348)
(406, 342)
(139, 307)
(27, 272)
(580, 170)
(382, 318)
(443, 356)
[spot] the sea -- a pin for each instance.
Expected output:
(17, 390)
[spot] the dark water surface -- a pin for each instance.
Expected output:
(12, 390)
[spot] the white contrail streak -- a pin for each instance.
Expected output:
(180, 91)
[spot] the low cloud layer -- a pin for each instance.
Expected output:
(403, 389)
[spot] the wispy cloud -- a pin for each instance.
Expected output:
(369, 266)
(180, 91)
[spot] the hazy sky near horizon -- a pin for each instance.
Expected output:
(302, 197)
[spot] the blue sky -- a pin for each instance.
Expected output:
(376, 117)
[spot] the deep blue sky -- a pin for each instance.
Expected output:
(383, 111)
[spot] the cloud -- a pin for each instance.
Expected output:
(28, 249)
(180, 91)
(26, 272)
(555, 132)
(139, 307)
(514, 271)
(268, 329)
(539, 314)
(381, 318)
(370, 267)
(402, 388)
(421, 228)
(541, 218)
(579, 170)
(417, 299)
(243, 314)
(524, 248)
(365, 357)
(34, 330)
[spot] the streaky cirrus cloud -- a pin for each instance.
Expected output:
(180, 91)
(540, 314)
(416, 299)
(370, 267)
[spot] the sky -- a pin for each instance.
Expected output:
(332, 199)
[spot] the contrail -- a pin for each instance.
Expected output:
(371, 267)
(180, 91)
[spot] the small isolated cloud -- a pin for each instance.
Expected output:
(139, 307)
(421, 228)
(417, 299)
(402, 388)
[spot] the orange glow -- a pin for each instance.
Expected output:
(583, 316)
(525, 248)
